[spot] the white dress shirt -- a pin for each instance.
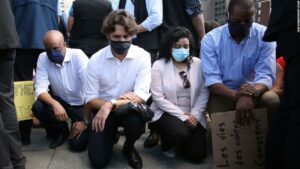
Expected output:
(107, 77)
(155, 13)
(67, 80)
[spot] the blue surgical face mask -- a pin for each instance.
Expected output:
(180, 54)
(55, 56)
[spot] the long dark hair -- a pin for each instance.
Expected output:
(170, 38)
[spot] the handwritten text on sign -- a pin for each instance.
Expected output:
(24, 98)
(237, 147)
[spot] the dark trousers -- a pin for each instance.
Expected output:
(283, 142)
(10, 142)
(175, 133)
(101, 143)
(54, 127)
(25, 62)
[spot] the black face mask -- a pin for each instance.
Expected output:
(239, 30)
(120, 47)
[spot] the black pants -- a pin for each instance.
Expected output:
(54, 127)
(175, 133)
(283, 143)
(101, 143)
(10, 142)
(26, 60)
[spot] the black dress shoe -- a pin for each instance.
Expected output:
(133, 157)
(58, 141)
(152, 139)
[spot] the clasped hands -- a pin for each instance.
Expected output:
(245, 104)
(191, 122)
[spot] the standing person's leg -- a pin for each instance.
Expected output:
(76, 115)
(134, 127)
(194, 148)
(293, 133)
(277, 133)
(100, 144)
(284, 133)
(10, 144)
(26, 60)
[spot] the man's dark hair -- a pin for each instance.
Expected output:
(245, 4)
(170, 38)
(119, 17)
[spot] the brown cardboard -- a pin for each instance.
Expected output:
(236, 147)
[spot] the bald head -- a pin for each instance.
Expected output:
(53, 39)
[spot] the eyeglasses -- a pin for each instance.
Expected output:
(184, 77)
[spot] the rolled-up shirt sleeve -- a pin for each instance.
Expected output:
(92, 81)
(155, 14)
(42, 81)
(210, 67)
(143, 79)
(193, 7)
(265, 68)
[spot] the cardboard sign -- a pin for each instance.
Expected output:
(24, 98)
(236, 147)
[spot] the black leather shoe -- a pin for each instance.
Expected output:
(133, 157)
(152, 139)
(58, 141)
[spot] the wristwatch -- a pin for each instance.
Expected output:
(114, 103)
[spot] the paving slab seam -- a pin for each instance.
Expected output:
(51, 159)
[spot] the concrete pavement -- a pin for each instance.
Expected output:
(39, 156)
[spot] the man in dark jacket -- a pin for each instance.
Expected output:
(84, 25)
(10, 142)
(284, 134)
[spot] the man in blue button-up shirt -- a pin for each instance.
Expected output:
(238, 66)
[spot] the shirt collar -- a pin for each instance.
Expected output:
(67, 56)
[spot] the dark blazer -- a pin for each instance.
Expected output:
(8, 34)
(283, 17)
(282, 28)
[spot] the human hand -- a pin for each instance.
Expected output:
(77, 129)
(128, 96)
(191, 121)
(59, 111)
(99, 120)
(244, 107)
(246, 90)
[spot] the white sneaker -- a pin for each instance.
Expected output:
(170, 153)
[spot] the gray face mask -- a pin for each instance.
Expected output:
(120, 47)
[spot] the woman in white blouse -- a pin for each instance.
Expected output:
(179, 97)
